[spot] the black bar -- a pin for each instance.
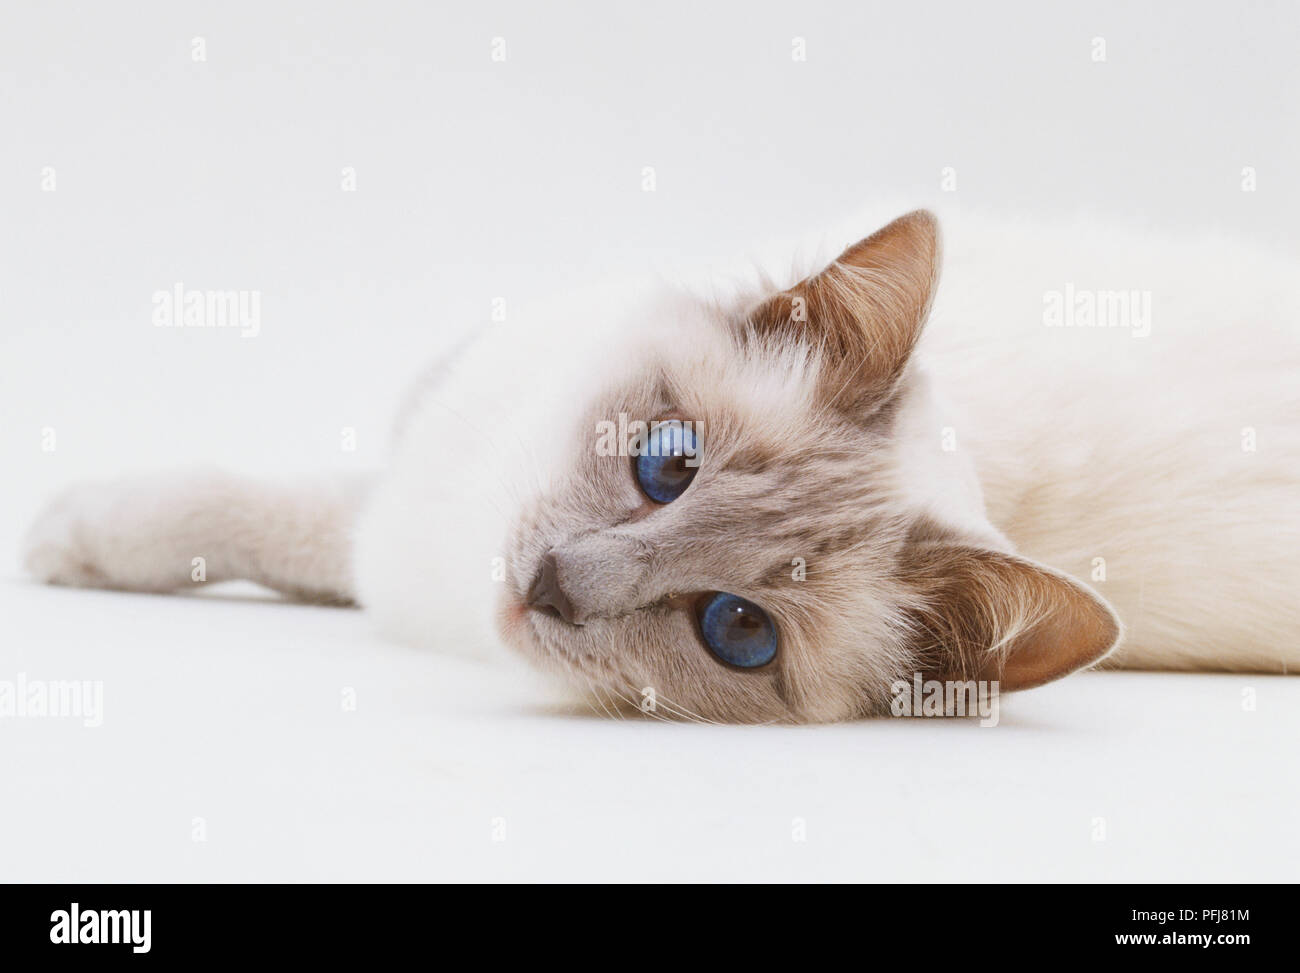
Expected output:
(370, 922)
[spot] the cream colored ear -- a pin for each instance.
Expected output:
(987, 615)
(866, 309)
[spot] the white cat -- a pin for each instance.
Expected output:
(1094, 419)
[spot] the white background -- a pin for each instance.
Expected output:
(479, 179)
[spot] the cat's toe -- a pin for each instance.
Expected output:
(54, 549)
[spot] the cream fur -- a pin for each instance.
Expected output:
(1093, 443)
(1063, 444)
(1088, 442)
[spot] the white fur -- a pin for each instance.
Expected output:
(1089, 443)
(1096, 443)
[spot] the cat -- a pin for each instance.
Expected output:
(778, 501)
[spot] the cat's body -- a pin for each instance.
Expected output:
(1174, 455)
(1150, 450)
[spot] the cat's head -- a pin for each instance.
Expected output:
(798, 564)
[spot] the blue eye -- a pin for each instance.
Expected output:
(737, 631)
(667, 464)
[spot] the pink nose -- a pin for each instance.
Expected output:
(546, 594)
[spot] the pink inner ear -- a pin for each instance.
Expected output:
(1078, 632)
(866, 310)
(995, 616)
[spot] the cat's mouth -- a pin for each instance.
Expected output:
(549, 611)
(556, 644)
(537, 619)
(544, 637)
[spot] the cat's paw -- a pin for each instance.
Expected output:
(60, 546)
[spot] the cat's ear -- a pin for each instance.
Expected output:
(987, 615)
(865, 311)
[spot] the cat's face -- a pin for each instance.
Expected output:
(733, 536)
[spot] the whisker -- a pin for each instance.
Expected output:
(687, 713)
(644, 712)
(617, 710)
(591, 686)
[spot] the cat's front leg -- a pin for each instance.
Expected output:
(171, 532)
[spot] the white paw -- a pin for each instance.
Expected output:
(65, 545)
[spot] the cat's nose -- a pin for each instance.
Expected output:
(546, 593)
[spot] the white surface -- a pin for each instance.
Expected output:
(230, 710)
(477, 180)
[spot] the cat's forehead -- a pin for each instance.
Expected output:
(780, 477)
(688, 360)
